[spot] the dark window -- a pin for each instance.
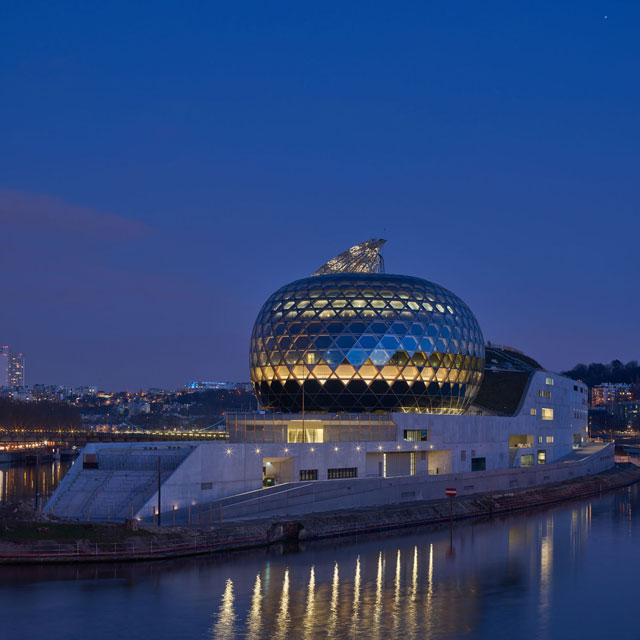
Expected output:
(346, 472)
(478, 464)
(206, 485)
(308, 474)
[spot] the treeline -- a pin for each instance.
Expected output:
(199, 409)
(217, 401)
(45, 414)
(598, 373)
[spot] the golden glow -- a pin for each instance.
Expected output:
(284, 619)
(355, 615)
(335, 592)
(225, 626)
(308, 622)
(254, 620)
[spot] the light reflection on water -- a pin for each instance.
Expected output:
(556, 573)
(20, 482)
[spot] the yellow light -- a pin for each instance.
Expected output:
(336, 448)
(379, 447)
(229, 451)
(258, 450)
(312, 449)
(358, 448)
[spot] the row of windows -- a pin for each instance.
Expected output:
(544, 394)
(345, 472)
(549, 439)
(332, 474)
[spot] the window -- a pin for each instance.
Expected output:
(308, 474)
(549, 439)
(542, 457)
(417, 435)
(296, 434)
(549, 381)
(478, 464)
(544, 394)
(346, 472)
(526, 460)
(463, 455)
(206, 485)
(547, 414)
(412, 464)
(539, 439)
(533, 412)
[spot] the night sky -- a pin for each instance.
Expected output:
(165, 166)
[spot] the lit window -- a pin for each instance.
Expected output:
(526, 460)
(547, 414)
(549, 439)
(549, 381)
(533, 412)
(539, 439)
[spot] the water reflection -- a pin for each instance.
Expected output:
(353, 597)
(520, 576)
(309, 619)
(335, 592)
(283, 621)
(254, 619)
(21, 483)
(224, 628)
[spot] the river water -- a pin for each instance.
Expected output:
(22, 483)
(565, 572)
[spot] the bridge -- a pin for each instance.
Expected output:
(80, 437)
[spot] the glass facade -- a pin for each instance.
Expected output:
(363, 342)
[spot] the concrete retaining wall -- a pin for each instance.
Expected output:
(319, 496)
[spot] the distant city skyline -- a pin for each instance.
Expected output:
(155, 194)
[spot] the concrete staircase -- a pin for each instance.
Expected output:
(118, 488)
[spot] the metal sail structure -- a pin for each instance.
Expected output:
(362, 258)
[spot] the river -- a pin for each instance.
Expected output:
(21, 483)
(564, 572)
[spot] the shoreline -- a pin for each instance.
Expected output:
(153, 543)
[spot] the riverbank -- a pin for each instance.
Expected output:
(27, 537)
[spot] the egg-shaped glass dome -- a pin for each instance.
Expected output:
(362, 342)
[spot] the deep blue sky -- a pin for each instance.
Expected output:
(165, 166)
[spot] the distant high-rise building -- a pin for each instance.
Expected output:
(4, 366)
(15, 373)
